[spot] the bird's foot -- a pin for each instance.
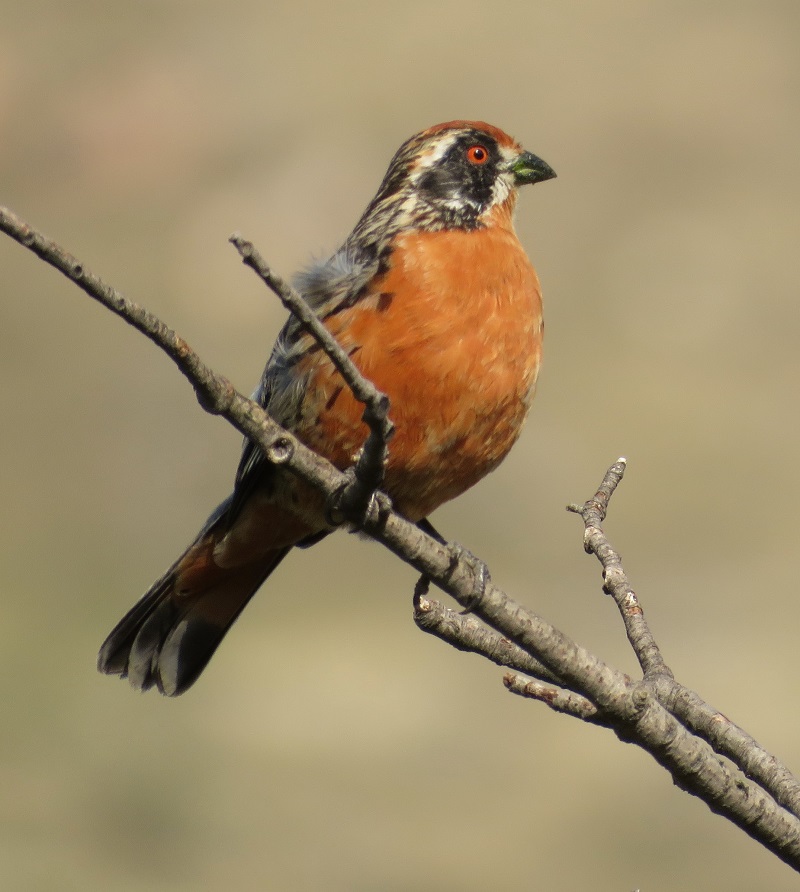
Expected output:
(480, 571)
(355, 504)
(481, 576)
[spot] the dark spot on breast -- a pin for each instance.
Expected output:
(384, 301)
(347, 301)
(332, 398)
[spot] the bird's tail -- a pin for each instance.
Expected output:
(169, 636)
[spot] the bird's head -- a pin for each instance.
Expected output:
(451, 176)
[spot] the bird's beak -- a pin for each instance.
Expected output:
(529, 168)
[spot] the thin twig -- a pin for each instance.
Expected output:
(615, 580)
(558, 700)
(356, 497)
(637, 717)
(213, 391)
(466, 633)
(724, 736)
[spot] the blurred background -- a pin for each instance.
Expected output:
(330, 745)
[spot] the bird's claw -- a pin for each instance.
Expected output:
(480, 575)
(349, 504)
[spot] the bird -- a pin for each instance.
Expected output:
(436, 302)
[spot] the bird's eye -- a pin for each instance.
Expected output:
(477, 154)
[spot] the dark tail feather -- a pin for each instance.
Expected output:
(167, 639)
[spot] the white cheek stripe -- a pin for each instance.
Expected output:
(501, 189)
(429, 158)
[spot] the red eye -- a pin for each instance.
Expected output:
(477, 154)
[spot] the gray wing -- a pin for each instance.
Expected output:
(329, 286)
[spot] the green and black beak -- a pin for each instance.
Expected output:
(529, 168)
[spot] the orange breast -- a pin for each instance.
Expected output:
(452, 334)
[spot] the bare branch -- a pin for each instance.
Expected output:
(466, 633)
(214, 392)
(615, 581)
(725, 737)
(635, 709)
(731, 741)
(558, 700)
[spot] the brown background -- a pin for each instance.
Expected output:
(331, 745)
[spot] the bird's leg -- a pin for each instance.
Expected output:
(480, 575)
(480, 570)
(427, 527)
(358, 499)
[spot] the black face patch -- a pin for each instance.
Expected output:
(452, 194)
(461, 184)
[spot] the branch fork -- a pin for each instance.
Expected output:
(683, 734)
